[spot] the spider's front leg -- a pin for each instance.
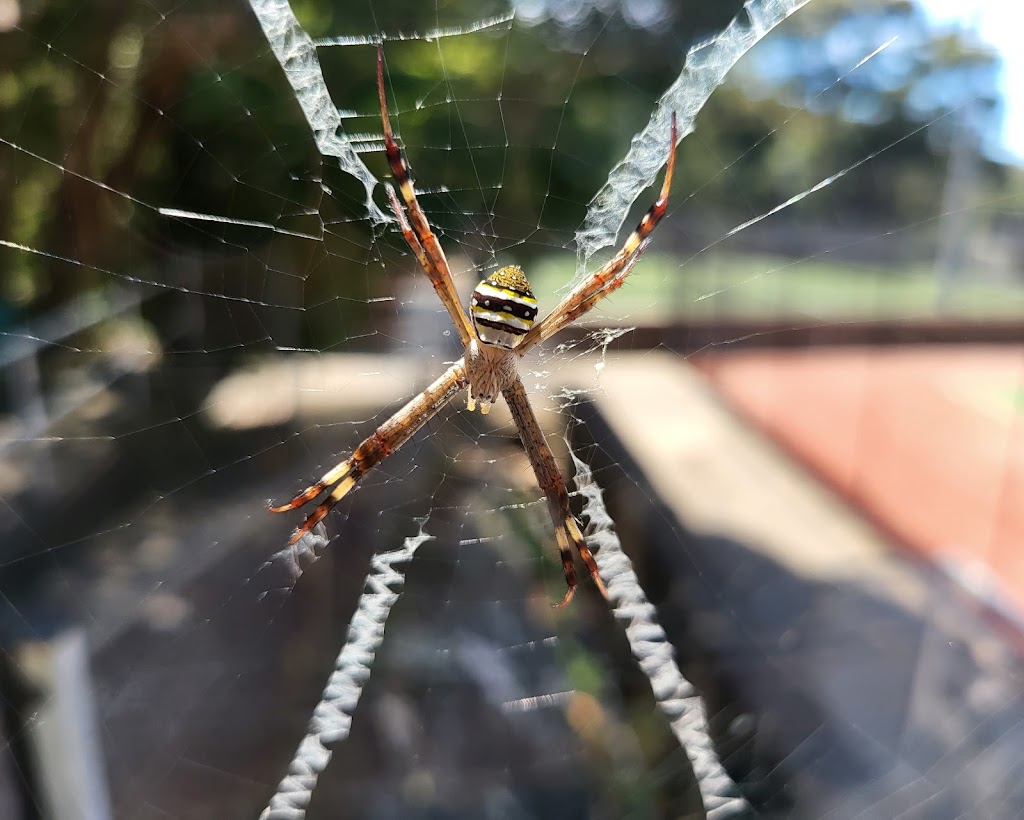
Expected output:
(416, 228)
(599, 284)
(567, 532)
(387, 438)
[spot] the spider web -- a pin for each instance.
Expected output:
(195, 361)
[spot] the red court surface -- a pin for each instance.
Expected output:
(928, 441)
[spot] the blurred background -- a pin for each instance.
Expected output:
(805, 408)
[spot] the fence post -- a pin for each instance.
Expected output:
(52, 729)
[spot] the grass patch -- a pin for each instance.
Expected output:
(661, 289)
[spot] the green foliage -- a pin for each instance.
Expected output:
(662, 289)
(509, 131)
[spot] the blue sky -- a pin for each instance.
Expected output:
(998, 22)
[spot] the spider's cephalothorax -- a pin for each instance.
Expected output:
(500, 331)
(503, 309)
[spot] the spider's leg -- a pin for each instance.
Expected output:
(410, 236)
(387, 438)
(609, 278)
(549, 477)
(426, 247)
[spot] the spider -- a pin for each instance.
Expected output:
(501, 330)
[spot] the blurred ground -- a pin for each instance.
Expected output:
(842, 679)
(928, 441)
(878, 686)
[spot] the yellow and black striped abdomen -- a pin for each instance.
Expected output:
(503, 307)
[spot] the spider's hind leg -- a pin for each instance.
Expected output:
(334, 475)
(387, 438)
(343, 477)
(566, 532)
